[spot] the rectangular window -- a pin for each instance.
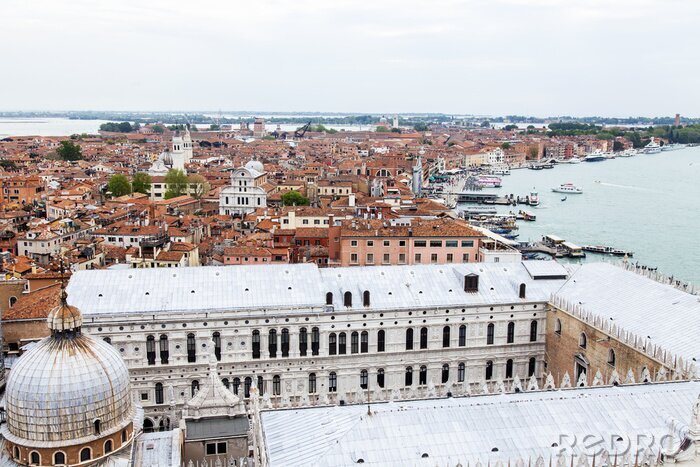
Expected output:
(370, 258)
(449, 257)
(418, 258)
(402, 242)
(451, 243)
(467, 243)
(353, 258)
(465, 258)
(436, 243)
(387, 259)
(433, 258)
(419, 243)
(402, 258)
(370, 242)
(216, 449)
(387, 242)
(353, 242)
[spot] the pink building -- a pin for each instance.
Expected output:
(361, 242)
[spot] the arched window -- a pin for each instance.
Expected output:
(381, 340)
(285, 342)
(354, 342)
(446, 336)
(557, 326)
(147, 425)
(159, 393)
(489, 370)
(408, 377)
(247, 383)
(409, 339)
(151, 350)
(226, 383)
(611, 357)
(124, 436)
(85, 455)
(256, 344)
(164, 351)
(13, 300)
(533, 331)
(108, 446)
(332, 344)
(216, 337)
(462, 335)
(235, 385)
(363, 379)
(195, 387)
(329, 298)
(460, 373)
(423, 375)
(423, 338)
(347, 299)
(365, 298)
(531, 366)
(582, 340)
(107, 340)
(34, 458)
(272, 343)
(16, 452)
(276, 385)
(380, 377)
(445, 373)
(342, 344)
(303, 342)
(509, 368)
(332, 382)
(96, 424)
(490, 330)
(315, 341)
(191, 348)
(312, 383)
(364, 342)
(261, 385)
(60, 459)
(510, 338)
(522, 290)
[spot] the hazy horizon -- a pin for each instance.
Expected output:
(542, 58)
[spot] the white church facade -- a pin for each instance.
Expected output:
(246, 193)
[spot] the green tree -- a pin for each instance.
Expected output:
(420, 126)
(485, 124)
(119, 185)
(8, 165)
(510, 127)
(505, 146)
(141, 183)
(294, 198)
(158, 129)
(198, 186)
(532, 153)
(382, 129)
(618, 146)
(176, 180)
(69, 151)
(214, 127)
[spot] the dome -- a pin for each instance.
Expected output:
(68, 388)
(255, 165)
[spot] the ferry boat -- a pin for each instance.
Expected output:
(489, 181)
(574, 160)
(595, 156)
(500, 171)
(653, 147)
(568, 188)
(533, 199)
(606, 250)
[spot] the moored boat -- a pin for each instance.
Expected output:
(568, 188)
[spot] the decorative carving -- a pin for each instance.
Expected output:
(614, 378)
(549, 384)
(630, 377)
(566, 381)
(597, 379)
(517, 385)
(532, 384)
(582, 382)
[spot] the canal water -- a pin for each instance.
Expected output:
(649, 204)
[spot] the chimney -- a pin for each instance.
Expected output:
(471, 283)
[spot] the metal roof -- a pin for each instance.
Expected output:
(464, 430)
(298, 286)
(669, 317)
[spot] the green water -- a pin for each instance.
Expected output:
(649, 204)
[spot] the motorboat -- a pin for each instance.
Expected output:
(533, 199)
(653, 147)
(500, 171)
(568, 188)
(595, 156)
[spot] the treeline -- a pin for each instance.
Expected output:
(123, 127)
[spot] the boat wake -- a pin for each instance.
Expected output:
(627, 187)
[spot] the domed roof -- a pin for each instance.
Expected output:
(255, 165)
(60, 387)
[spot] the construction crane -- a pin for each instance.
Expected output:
(302, 131)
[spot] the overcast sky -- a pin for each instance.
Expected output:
(494, 57)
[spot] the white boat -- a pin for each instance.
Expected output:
(627, 153)
(533, 199)
(500, 171)
(653, 147)
(595, 156)
(574, 160)
(568, 188)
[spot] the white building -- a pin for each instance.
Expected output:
(179, 154)
(246, 192)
